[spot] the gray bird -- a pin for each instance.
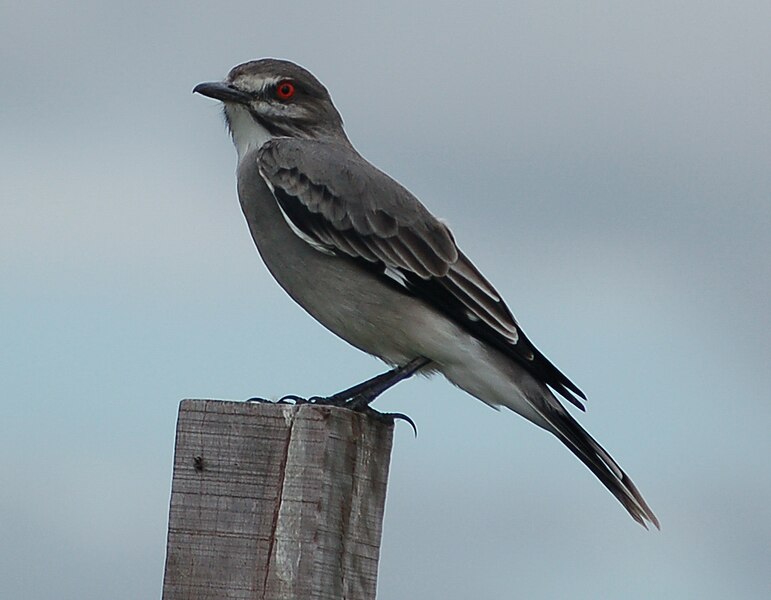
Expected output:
(366, 259)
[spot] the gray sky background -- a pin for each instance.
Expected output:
(606, 165)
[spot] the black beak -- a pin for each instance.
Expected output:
(224, 92)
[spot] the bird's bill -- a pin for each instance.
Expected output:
(220, 90)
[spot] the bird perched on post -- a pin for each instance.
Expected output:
(366, 259)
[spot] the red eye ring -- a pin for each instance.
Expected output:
(285, 90)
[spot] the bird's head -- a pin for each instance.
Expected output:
(270, 98)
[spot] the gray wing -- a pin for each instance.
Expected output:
(341, 204)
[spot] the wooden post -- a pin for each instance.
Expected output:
(275, 502)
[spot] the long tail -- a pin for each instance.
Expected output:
(599, 462)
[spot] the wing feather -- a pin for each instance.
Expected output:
(465, 274)
(343, 204)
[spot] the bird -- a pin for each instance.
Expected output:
(364, 257)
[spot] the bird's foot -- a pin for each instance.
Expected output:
(391, 417)
(288, 399)
(360, 396)
(360, 404)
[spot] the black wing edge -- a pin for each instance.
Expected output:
(523, 352)
(437, 294)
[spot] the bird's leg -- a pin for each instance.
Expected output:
(365, 393)
(341, 398)
(368, 390)
(360, 396)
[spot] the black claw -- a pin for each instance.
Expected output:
(402, 417)
(289, 399)
(357, 404)
(295, 399)
(360, 396)
(360, 405)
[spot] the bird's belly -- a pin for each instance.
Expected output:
(360, 307)
(347, 299)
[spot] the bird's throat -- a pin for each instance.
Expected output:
(248, 134)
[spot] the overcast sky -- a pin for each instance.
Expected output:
(608, 167)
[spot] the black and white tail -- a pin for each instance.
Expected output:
(599, 462)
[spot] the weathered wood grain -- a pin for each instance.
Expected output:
(274, 501)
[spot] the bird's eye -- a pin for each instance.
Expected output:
(285, 90)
